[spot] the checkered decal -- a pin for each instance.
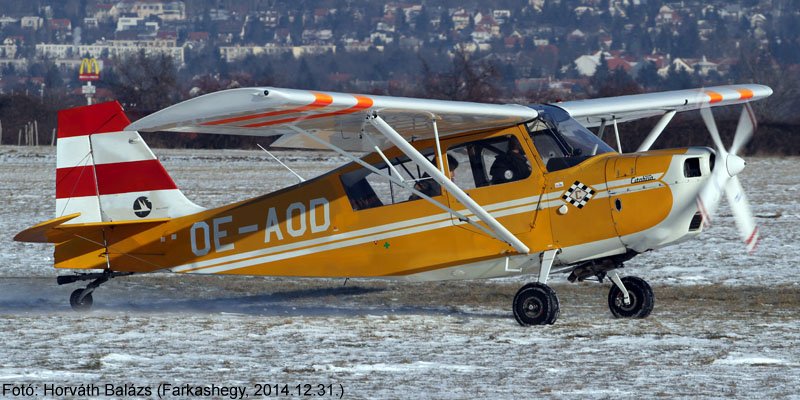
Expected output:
(578, 194)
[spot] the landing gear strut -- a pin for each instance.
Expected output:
(81, 299)
(536, 303)
(630, 297)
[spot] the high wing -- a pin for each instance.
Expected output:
(337, 118)
(594, 112)
(345, 122)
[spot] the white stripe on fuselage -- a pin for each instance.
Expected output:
(392, 230)
(376, 230)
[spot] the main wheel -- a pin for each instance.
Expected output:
(641, 296)
(84, 305)
(536, 304)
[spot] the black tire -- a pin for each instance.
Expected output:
(641, 296)
(536, 304)
(83, 305)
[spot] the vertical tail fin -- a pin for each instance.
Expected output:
(109, 174)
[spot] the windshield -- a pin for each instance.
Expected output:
(561, 141)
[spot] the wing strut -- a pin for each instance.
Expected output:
(438, 145)
(300, 178)
(383, 156)
(397, 180)
(439, 177)
(602, 128)
(656, 132)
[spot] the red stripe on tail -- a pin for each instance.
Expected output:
(115, 178)
(88, 120)
(75, 182)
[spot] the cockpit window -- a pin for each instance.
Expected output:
(366, 189)
(561, 141)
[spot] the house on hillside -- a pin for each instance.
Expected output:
(501, 15)
(703, 66)
(460, 19)
(60, 24)
(8, 21)
(31, 22)
(101, 12)
(667, 16)
(164, 10)
(586, 65)
(8, 48)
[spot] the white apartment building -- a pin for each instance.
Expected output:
(31, 22)
(112, 48)
(235, 53)
(166, 10)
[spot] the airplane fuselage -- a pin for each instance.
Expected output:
(605, 205)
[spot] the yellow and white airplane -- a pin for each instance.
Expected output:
(448, 190)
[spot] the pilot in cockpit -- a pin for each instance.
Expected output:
(511, 165)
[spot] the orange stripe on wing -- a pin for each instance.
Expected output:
(714, 97)
(320, 100)
(745, 94)
(362, 103)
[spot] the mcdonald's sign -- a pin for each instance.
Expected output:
(89, 70)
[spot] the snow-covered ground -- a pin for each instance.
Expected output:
(726, 324)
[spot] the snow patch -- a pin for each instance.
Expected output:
(750, 360)
(116, 358)
(400, 367)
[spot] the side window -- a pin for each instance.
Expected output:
(489, 162)
(458, 161)
(366, 189)
(545, 142)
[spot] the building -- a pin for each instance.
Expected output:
(586, 65)
(9, 48)
(32, 22)
(111, 49)
(7, 21)
(164, 10)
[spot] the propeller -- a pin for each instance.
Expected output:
(727, 165)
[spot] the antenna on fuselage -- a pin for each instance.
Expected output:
(281, 163)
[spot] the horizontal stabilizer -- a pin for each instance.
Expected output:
(44, 232)
(54, 230)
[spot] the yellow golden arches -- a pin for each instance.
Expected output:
(89, 70)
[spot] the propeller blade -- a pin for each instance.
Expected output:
(744, 130)
(708, 118)
(710, 195)
(742, 214)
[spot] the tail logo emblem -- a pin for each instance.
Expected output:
(142, 207)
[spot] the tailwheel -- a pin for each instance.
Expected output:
(640, 298)
(78, 303)
(535, 304)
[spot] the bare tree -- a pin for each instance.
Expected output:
(759, 66)
(467, 80)
(145, 84)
